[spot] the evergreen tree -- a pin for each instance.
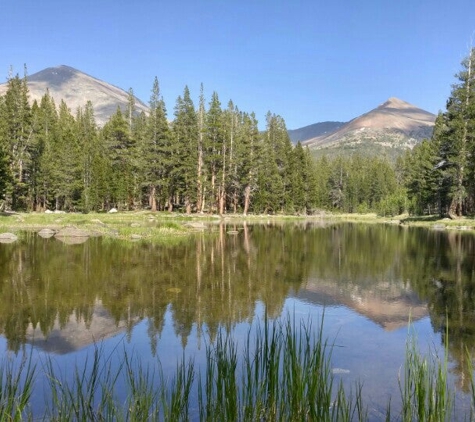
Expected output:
(118, 141)
(269, 195)
(215, 151)
(247, 156)
(422, 177)
(155, 153)
(186, 165)
(4, 163)
(17, 139)
(93, 170)
(278, 139)
(200, 168)
(45, 132)
(322, 193)
(457, 141)
(64, 162)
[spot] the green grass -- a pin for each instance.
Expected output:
(166, 228)
(284, 373)
(138, 226)
(16, 388)
(423, 385)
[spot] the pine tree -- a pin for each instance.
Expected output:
(247, 156)
(93, 169)
(45, 132)
(269, 196)
(17, 137)
(200, 168)
(118, 141)
(422, 177)
(64, 162)
(4, 162)
(155, 153)
(278, 138)
(457, 143)
(215, 149)
(322, 191)
(186, 165)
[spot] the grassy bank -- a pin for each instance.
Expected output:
(125, 226)
(163, 226)
(284, 374)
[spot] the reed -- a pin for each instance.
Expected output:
(175, 396)
(143, 400)
(16, 388)
(90, 394)
(423, 385)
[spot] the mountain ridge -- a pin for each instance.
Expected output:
(76, 88)
(314, 130)
(392, 127)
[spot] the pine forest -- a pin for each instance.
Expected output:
(210, 158)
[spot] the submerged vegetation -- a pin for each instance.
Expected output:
(283, 372)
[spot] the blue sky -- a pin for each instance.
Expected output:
(308, 61)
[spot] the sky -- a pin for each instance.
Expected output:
(307, 61)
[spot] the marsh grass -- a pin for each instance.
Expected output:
(424, 389)
(284, 375)
(281, 372)
(16, 388)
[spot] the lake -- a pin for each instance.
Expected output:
(374, 286)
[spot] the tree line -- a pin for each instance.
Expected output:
(214, 159)
(206, 159)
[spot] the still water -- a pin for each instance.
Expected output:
(371, 284)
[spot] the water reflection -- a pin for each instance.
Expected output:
(62, 297)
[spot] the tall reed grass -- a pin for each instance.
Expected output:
(282, 373)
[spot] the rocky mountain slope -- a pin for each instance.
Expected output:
(390, 128)
(313, 131)
(76, 88)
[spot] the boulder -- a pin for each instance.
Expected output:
(8, 237)
(72, 240)
(113, 210)
(46, 233)
(72, 232)
(195, 225)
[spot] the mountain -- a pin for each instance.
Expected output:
(76, 88)
(313, 131)
(74, 333)
(390, 306)
(389, 129)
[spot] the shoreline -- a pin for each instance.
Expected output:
(163, 226)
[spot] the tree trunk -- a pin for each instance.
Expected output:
(200, 200)
(247, 199)
(221, 201)
(454, 212)
(170, 204)
(152, 198)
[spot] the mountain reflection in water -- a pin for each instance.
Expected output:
(62, 297)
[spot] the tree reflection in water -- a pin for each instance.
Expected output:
(69, 295)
